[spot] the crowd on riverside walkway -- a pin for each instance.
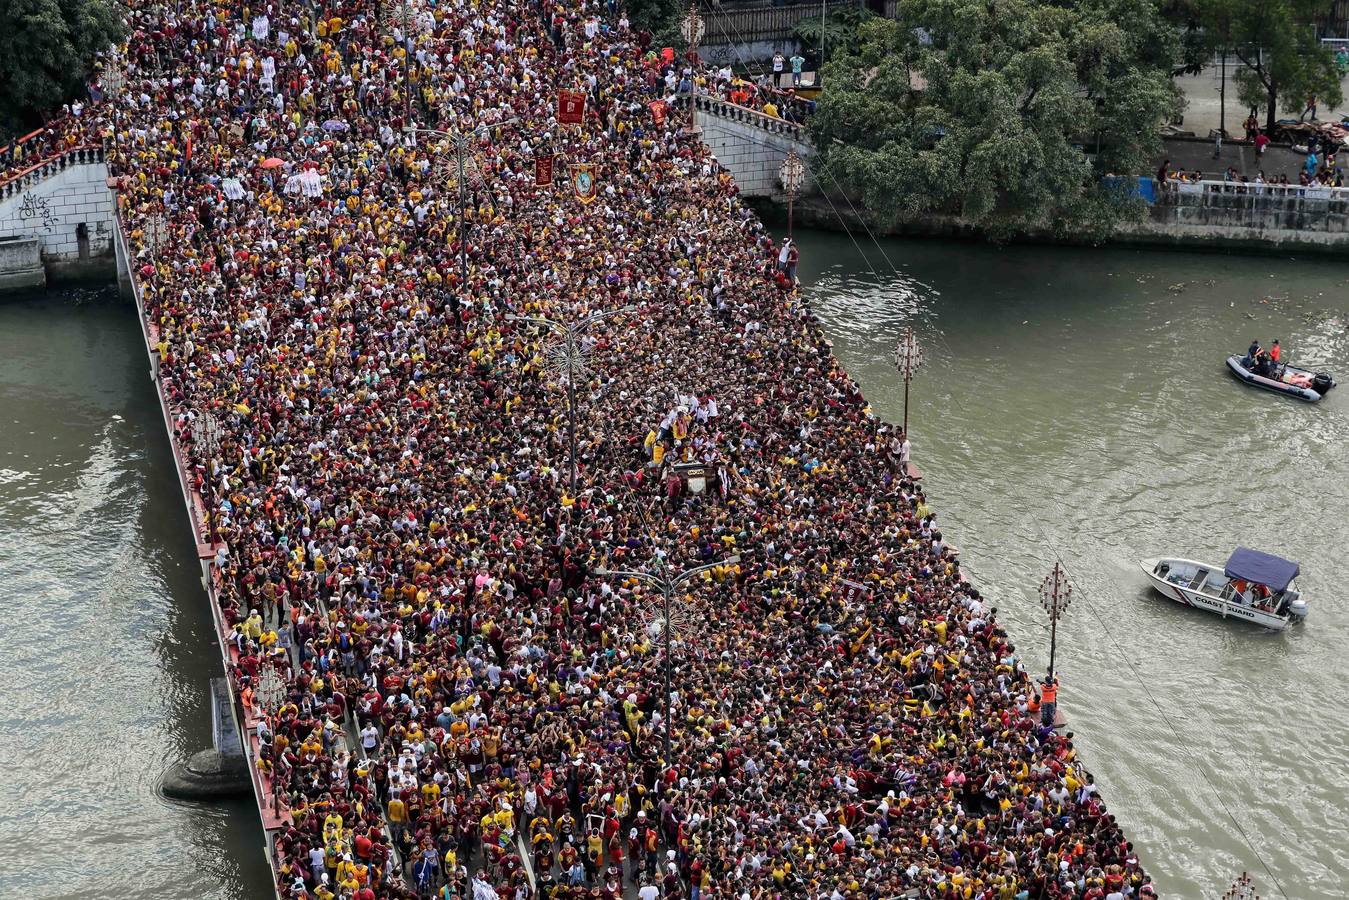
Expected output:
(392, 484)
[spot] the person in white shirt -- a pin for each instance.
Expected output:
(369, 737)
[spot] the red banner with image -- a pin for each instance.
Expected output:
(571, 107)
(543, 170)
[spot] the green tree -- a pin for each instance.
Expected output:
(657, 16)
(1281, 58)
(841, 29)
(47, 49)
(1005, 113)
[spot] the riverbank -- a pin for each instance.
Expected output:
(1178, 225)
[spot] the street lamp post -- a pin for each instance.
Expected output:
(270, 693)
(908, 359)
(1056, 593)
(1242, 889)
(206, 432)
(667, 585)
(409, 20)
(156, 231)
(570, 360)
(460, 141)
(793, 175)
(692, 28)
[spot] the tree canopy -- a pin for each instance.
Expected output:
(47, 49)
(1005, 113)
(1275, 41)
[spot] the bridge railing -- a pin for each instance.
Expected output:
(17, 182)
(1177, 192)
(726, 110)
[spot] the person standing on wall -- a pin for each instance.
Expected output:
(1049, 695)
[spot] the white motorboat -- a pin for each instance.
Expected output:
(1252, 585)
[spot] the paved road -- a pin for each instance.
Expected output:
(1191, 155)
(1203, 101)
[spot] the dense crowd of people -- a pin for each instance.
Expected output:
(474, 704)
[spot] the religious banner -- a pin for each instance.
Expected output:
(543, 170)
(658, 111)
(853, 592)
(583, 182)
(571, 107)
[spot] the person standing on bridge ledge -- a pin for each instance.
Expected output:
(1049, 695)
(798, 63)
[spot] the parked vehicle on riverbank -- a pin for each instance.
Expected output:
(1252, 585)
(1284, 379)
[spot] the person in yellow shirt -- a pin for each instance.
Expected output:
(397, 814)
(253, 625)
(332, 826)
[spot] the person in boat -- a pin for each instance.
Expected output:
(1275, 352)
(1262, 364)
(1252, 352)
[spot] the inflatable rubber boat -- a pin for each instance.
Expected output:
(1284, 379)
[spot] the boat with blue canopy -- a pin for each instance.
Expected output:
(1252, 585)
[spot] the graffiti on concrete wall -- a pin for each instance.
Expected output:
(36, 210)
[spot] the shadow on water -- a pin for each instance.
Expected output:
(1075, 402)
(109, 683)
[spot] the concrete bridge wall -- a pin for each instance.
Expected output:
(752, 145)
(63, 203)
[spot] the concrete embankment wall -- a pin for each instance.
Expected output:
(63, 204)
(1228, 233)
(21, 263)
(1276, 219)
